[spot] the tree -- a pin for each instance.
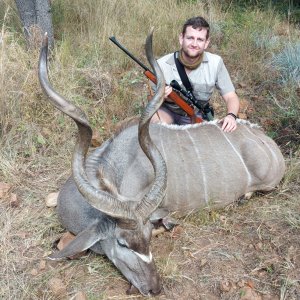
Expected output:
(36, 19)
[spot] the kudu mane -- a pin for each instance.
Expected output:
(208, 123)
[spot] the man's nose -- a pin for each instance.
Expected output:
(194, 43)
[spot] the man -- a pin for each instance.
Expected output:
(205, 72)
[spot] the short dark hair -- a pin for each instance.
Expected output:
(196, 22)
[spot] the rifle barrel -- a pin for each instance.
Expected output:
(114, 40)
(176, 98)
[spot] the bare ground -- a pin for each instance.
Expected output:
(246, 251)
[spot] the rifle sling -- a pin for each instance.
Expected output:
(207, 110)
(185, 81)
(182, 74)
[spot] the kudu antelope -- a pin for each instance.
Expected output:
(122, 188)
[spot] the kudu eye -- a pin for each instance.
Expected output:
(122, 243)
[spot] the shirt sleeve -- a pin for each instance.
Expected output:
(223, 83)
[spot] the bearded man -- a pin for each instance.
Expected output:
(204, 71)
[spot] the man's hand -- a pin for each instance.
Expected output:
(168, 90)
(229, 123)
(233, 104)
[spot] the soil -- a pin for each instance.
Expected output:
(247, 251)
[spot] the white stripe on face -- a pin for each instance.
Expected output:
(146, 258)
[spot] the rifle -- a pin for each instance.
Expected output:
(186, 105)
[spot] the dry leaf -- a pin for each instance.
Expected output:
(34, 272)
(42, 265)
(4, 188)
(96, 139)
(156, 232)
(268, 122)
(242, 84)
(241, 283)
(250, 284)
(57, 287)
(67, 238)
(176, 232)
(225, 286)
(203, 262)
(249, 294)
(245, 109)
(46, 132)
(244, 105)
(262, 272)
(51, 199)
(258, 246)
(243, 116)
(223, 219)
(14, 201)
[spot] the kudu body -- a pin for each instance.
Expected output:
(118, 192)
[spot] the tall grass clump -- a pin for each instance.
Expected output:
(90, 23)
(250, 37)
(287, 62)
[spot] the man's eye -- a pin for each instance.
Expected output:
(122, 243)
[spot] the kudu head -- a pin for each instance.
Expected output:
(120, 227)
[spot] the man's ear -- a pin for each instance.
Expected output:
(207, 43)
(180, 39)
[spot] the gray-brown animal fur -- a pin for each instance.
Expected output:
(116, 195)
(206, 166)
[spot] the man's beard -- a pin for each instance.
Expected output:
(190, 56)
(197, 59)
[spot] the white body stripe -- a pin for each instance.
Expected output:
(240, 157)
(201, 167)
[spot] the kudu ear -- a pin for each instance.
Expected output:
(83, 241)
(161, 217)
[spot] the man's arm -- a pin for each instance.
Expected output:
(233, 106)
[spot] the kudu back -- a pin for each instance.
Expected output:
(122, 188)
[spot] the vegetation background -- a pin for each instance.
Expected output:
(218, 254)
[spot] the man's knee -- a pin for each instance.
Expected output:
(162, 116)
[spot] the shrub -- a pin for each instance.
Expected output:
(287, 62)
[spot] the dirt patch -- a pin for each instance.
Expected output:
(242, 252)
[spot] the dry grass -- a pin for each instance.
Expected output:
(256, 243)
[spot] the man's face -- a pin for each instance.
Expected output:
(193, 42)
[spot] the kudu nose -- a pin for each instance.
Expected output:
(151, 293)
(156, 289)
(155, 292)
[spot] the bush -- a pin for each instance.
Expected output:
(287, 62)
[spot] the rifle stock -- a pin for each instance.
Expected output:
(173, 96)
(177, 99)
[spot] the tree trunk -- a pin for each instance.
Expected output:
(36, 20)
